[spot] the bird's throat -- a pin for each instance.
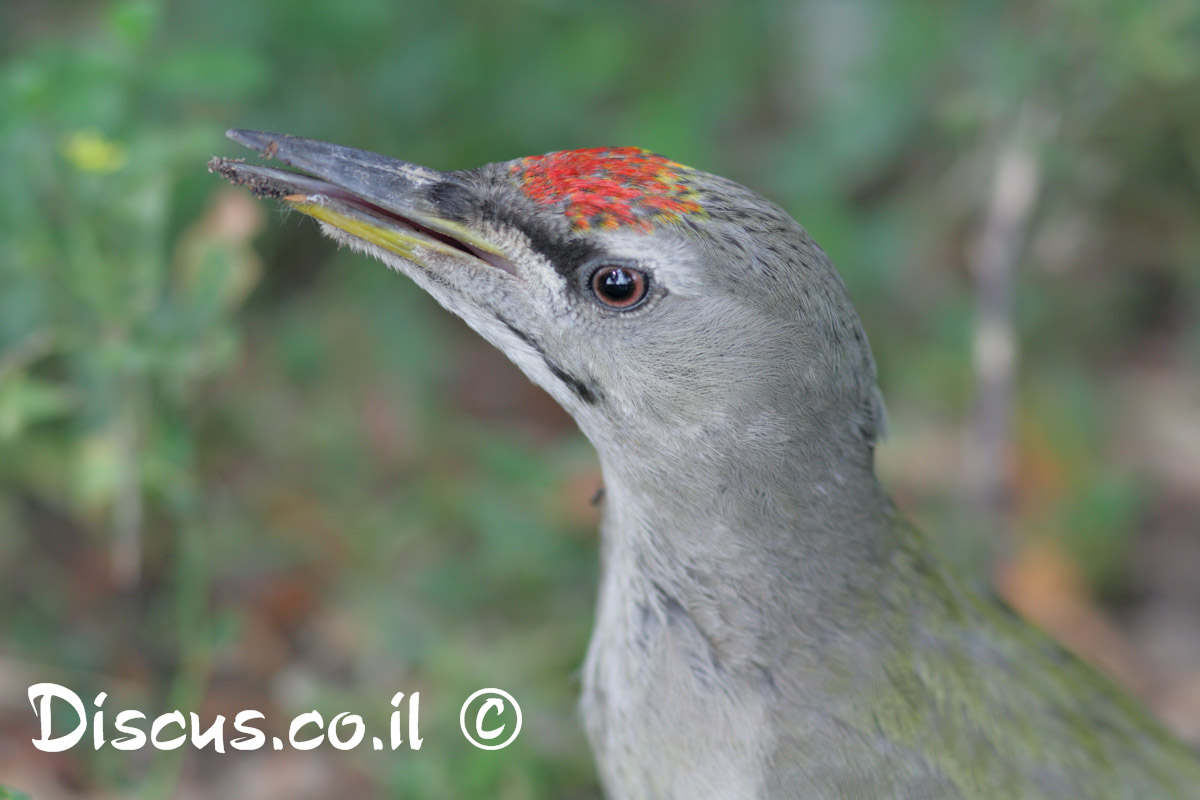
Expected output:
(753, 540)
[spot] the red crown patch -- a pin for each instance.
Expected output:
(607, 187)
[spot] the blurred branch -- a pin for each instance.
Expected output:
(993, 259)
(127, 506)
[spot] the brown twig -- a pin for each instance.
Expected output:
(992, 261)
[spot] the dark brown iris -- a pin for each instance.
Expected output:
(619, 287)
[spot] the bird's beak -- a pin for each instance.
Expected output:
(382, 201)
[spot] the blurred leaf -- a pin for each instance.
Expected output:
(92, 152)
(134, 21)
(212, 72)
(25, 401)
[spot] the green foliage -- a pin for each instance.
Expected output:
(228, 462)
(109, 318)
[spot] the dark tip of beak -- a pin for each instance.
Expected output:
(394, 185)
(354, 169)
(265, 143)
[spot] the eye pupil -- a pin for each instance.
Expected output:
(619, 287)
(618, 284)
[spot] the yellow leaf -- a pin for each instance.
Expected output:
(91, 151)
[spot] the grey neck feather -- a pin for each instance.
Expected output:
(752, 535)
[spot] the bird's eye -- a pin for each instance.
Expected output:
(619, 287)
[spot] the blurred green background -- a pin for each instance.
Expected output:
(242, 470)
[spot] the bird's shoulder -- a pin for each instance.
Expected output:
(967, 699)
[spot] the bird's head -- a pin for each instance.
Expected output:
(660, 305)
